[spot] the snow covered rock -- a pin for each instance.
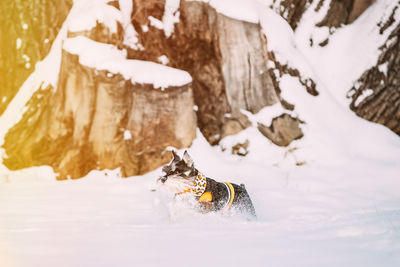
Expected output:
(376, 96)
(283, 130)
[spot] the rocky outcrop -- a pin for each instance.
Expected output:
(281, 69)
(344, 12)
(283, 130)
(99, 119)
(339, 12)
(359, 6)
(291, 10)
(27, 30)
(376, 96)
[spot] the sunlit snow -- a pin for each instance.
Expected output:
(339, 208)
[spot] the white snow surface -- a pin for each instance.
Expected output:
(339, 208)
(102, 56)
(338, 212)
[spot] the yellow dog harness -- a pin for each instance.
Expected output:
(204, 197)
(231, 193)
(207, 196)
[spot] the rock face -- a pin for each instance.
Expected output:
(377, 98)
(340, 11)
(27, 30)
(244, 65)
(359, 6)
(376, 95)
(344, 12)
(95, 119)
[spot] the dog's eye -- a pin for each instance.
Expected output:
(166, 169)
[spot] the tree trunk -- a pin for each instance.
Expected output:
(96, 121)
(27, 30)
(100, 120)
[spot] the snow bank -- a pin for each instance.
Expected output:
(351, 49)
(102, 56)
(331, 214)
(339, 209)
(281, 41)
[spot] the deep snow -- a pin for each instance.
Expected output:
(340, 208)
(324, 214)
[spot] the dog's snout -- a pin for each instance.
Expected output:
(163, 179)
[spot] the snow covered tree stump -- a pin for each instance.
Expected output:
(117, 114)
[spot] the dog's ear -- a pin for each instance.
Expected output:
(187, 159)
(176, 157)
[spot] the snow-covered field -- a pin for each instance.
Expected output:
(339, 213)
(341, 207)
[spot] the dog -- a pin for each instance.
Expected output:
(182, 178)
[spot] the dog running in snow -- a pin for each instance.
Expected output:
(181, 177)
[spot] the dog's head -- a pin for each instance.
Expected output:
(179, 175)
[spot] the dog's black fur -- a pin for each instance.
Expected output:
(184, 171)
